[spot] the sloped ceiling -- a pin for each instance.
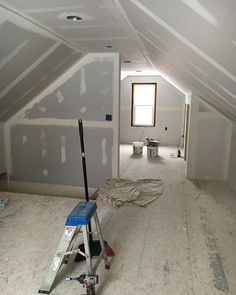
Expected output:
(191, 42)
(30, 59)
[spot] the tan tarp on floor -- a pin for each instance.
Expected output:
(119, 191)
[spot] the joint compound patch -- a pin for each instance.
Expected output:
(63, 149)
(45, 172)
(83, 87)
(104, 154)
(83, 109)
(44, 152)
(42, 109)
(60, 97)
(24, 139)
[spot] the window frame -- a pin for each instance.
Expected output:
(154, 105)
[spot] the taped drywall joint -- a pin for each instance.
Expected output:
(12, 54)
(63, 149)
(60, 97)
(83, 109)
(201, 10)
(183, 39)
(45, 172)
(83, 88)
(24, 139)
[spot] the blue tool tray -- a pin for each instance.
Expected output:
(81, 214)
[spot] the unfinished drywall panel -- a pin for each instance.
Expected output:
(2, 150)
(232, 165)
(88, 94)
(169, 116)
(46, 149)
(209, 142)
(51, 154)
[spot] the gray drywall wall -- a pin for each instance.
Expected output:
(170, 110)
(88, 94)
(44, 139)
(51, 154)
(232, 164)
(2, 150)
(209, 142)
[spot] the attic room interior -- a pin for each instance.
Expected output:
(118, 147)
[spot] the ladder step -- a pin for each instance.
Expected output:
(81, 214)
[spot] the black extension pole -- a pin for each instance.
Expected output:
(81, 134)
(95, 245)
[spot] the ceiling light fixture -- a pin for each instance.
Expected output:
(73, 17)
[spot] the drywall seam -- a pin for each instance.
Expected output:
(61, 122)
(100, 38)
(13, 53)
(53, 9)
(127, 108)
(28, 23)
(175, 52)
(189, 73)
(202, 11)
(116, 117)
(59, 81)
(29, 69)
(105, 25)
(3, 15)
(126, 24)
(183, 39)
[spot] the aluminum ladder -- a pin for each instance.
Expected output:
(77, 222)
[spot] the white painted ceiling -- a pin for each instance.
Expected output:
(191, 42)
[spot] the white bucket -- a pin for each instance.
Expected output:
(152, 152)
(138, 148)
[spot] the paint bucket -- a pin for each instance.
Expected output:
(152, 152)
(138, 148)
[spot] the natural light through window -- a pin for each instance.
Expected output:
(143, 104)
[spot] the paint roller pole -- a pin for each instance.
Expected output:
(81, 135)
(95, 245)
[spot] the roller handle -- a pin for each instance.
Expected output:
(81, 134)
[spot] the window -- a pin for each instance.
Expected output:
(143, 112)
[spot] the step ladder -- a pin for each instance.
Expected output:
(77, 222)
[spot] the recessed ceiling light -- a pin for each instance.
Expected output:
(127, 61)
(109, 46)
(73, 17)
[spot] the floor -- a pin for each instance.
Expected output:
(182, 244)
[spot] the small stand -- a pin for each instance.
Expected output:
(77, 222)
